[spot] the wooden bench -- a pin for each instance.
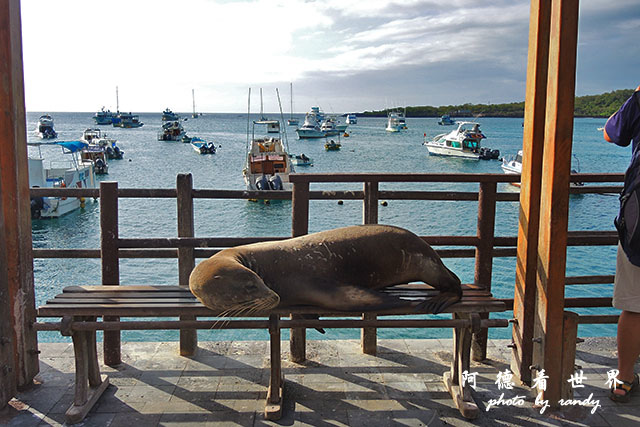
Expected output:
(80, 308)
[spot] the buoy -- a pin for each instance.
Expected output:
(129, 159)
(253, 200)
(384, 203)
(340, 202)
(267, 202)
(346, 134)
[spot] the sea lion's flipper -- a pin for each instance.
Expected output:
(313, 317)
(344, 297)
(438, 303)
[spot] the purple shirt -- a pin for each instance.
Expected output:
(624, 126)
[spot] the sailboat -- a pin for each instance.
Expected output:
(292, 121)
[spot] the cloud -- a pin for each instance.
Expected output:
(76, 52)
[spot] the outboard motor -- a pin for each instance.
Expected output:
(118, 152)
(262, 183)
(37, 204)
(100, 165)
(495, 154)
(275, 182)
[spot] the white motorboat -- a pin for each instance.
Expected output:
(310, 128)
(127, 121)
(44, 128)
(513, 166)
(301, 160)
(171, 131)
(328, 127)
(74, 173)
(97, 156)
(95, 137)
(395, 122)
(203, 147)
(352, 119)
(463, 142)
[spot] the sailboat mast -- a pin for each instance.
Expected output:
(117, 101)
(193, 97)
(291, 91)
(261, 110)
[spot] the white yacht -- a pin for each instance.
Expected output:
(463, 142)
(73, 173)
(310, 128)
(395, 122)
(352, 119)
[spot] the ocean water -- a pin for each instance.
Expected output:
(150, 163)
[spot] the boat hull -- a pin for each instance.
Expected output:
(309, 133)
(438, 150)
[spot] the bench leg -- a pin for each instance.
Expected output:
(460, 393)
(273, 407)
(89, 383)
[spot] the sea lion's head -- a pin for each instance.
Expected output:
(226, 286)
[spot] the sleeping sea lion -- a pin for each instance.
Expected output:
(339, 270)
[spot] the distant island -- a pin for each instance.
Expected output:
(602, 105)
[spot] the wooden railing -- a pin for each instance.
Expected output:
(483, 246)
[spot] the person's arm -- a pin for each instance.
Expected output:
(616, 129)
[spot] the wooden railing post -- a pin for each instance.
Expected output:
(299, 227)
(186, 260)
(369, 336)
(530, 188)
(14, 171)
(548, 351)
(484, 256)
(110, 261)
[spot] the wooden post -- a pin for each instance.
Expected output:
(110, 261)
(369, 336)
(484, 257)
(533, 144)
(186, 261)
(7, 362)
(19, 302)
(299, 227)
(554, 206)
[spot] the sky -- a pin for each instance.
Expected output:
(343, 55)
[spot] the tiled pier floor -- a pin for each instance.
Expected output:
(225, 384)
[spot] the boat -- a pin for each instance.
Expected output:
(44, 128)
(292, 121)
(203, 147)
(127, 120)
(310, 128)
(340, 127)
(97, 156)
(267, 165)
(301, 160)
(513, 166)
(169, 116)
(463, 142)
(172, 131)
(328, 127)
(74, 173)
(332, 145)
(446, 120)
(395, 122)
(352, 119)
(95, 137)
(103, 117)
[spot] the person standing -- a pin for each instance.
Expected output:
(623, 128)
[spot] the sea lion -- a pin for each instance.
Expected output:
(340, 269)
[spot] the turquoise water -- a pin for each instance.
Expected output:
(150, 163)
